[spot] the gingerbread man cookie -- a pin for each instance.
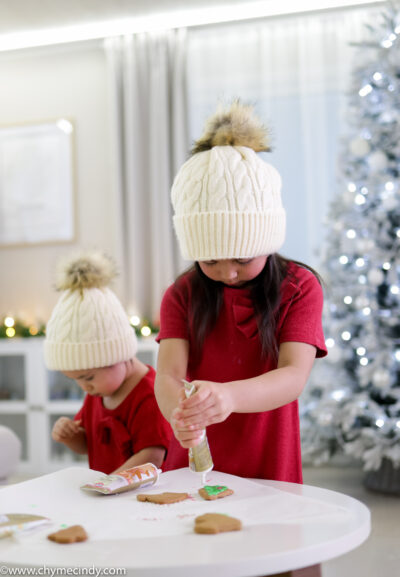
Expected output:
(73, 534)
(163, 498)
(212, 523)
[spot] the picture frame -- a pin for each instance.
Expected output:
(37, 190)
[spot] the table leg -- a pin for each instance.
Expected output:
(313, 571)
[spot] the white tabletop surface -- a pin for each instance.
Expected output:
(285, 526)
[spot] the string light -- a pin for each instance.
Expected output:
(142, 327)
(361, 351)
(346, 335)
(365, 90)
(348, 300)
(145, 331)
(134, 320)
(351, 233)
(343, 259)
(338, 395)
(13, 327)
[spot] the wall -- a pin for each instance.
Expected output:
(47, 83)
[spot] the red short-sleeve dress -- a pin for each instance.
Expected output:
(255, 445)
(114, 435)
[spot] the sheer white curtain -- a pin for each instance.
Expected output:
(150, 141)
(296, 70)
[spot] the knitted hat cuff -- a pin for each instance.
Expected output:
(64, 356)
(221, 235)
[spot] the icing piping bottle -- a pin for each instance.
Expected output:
(200, 460)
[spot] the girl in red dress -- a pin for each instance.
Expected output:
(90, 340)
(244, 323)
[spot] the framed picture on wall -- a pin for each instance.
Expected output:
(37, 183)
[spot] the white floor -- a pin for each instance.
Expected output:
(379, 556)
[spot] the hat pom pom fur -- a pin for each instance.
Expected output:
(92, 269)
(235, 126)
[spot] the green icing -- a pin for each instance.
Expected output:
(214, 489)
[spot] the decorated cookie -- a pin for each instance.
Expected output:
(163, 498)
(212, 492)
(216, 523)
(73, 534)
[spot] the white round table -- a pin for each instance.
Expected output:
(307, 525)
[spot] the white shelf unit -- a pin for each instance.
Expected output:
(32, 398)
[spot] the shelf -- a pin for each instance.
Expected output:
(63, 407)
(32, 398)
(13, 407)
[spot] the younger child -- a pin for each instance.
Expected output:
(244, 324)
(89, 339)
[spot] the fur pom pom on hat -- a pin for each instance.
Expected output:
(88, 327)
(226, 198)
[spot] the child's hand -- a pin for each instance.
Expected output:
(188, 436)
(211, 403)
(65, 429)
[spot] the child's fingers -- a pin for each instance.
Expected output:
(68, 429)
(179, 425)
(195, 414)
(199, 397)
(189, 438)
(76, 425)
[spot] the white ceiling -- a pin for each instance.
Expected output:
(17, 16)
(23, 15)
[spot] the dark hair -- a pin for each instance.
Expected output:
(265, 293)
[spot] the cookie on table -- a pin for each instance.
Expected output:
(212, 492)
(73, 534)
(212, 523)
(163, 498)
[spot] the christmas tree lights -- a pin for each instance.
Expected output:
(352, 402)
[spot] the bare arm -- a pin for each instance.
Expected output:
(153, 455)
(172, 364)
(278, 387)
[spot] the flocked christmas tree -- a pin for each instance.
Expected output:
(352, 402)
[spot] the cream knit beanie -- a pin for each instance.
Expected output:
(88, 327)
(226, 199)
